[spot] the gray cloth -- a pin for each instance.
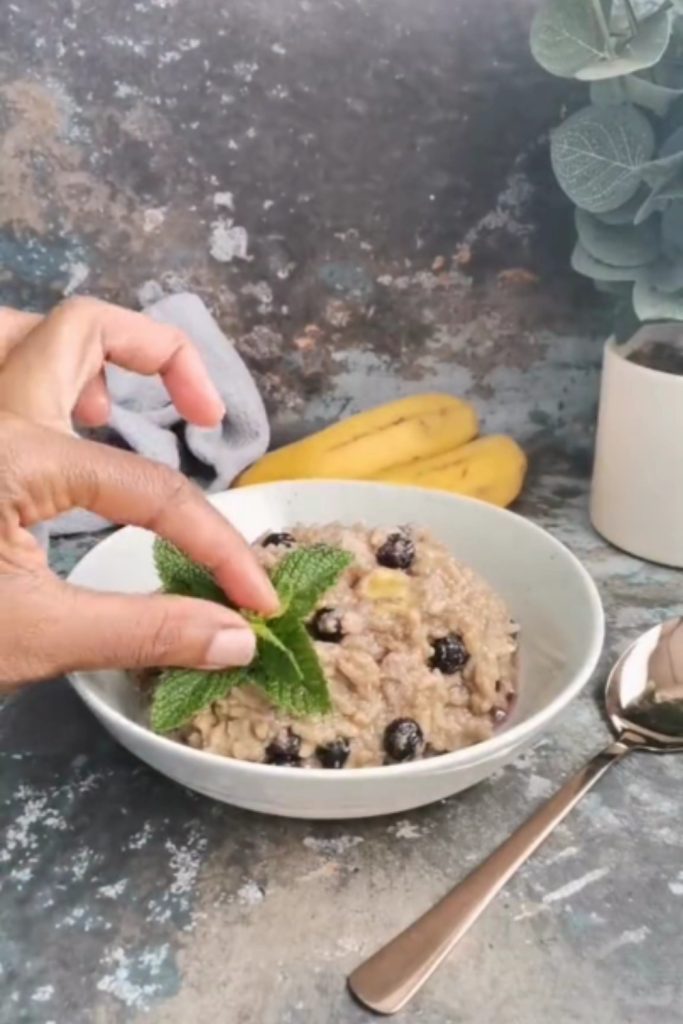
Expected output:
(142, 414)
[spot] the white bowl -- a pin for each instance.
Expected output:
(547, 590)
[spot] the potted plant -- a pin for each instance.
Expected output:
(620, 160)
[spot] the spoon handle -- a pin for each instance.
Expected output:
(387, 981)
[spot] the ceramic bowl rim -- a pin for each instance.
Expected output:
(465, 757)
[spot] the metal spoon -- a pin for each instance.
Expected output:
(644, 703)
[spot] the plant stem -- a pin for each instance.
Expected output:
(631, 15)
(604, 27)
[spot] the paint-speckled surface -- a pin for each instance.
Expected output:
(360, 191)
(125, 898)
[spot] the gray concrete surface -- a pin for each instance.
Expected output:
(360, 190)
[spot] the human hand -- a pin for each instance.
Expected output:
(51, 368)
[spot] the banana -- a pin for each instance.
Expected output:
(491, 468)
(372, 442)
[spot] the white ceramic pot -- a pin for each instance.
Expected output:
(637, 492)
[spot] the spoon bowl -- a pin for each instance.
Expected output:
(641, 696)
(644, 704)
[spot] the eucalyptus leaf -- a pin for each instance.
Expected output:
(659, 172)
(627, 212)
(672, 144)
(672, 230)
(657, 98)
(634, 89)
(608, 92)
(674, 118)
(585, 264)
(618, 288)
(666, 277)
(597, 155)
(650, 303)
(626, 323)
(669, 162)
(668, 73)
(566, 37)
(659, 198)
(643, 50)
(618, 245)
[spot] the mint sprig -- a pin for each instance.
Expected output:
(286, 666)
(306, 574)
(314, 696)
(180, 575)
(182, 692)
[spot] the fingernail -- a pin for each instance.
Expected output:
(231, 647)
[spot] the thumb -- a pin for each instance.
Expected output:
(79, 629)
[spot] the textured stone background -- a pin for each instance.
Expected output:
(360, 190)
(354, 188)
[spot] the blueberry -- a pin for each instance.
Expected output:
(397, 552)
(284, 750)
(334, 754)
(450, 654)
(278, 540)
(403, 739)
(326, 625)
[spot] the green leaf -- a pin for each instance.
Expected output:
(180, 575)
(618, 288)
(597, 155)
(669, 162)
(277, 661)
(642, 50)
(672, 230)
(583, 263)
(619, 245)
(286, 666)
(660, 198)
(311, 697)
(608, 92)
(182, 693)
(634, 89)
(673, 144)
(654, 97)
(304, 575)
(652, 304)
(666, 277)
(625, 321)
(566, 37)
(627, 212)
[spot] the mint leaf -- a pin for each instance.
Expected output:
(286, 666)
(275, 660)
(180, 575)
(310, 695)
(181, 693)
(303, 576)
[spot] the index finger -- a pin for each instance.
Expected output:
(68, 347)
(60, 472)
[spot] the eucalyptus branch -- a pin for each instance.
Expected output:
(632, 17)
(631, 135)
(604, 27)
